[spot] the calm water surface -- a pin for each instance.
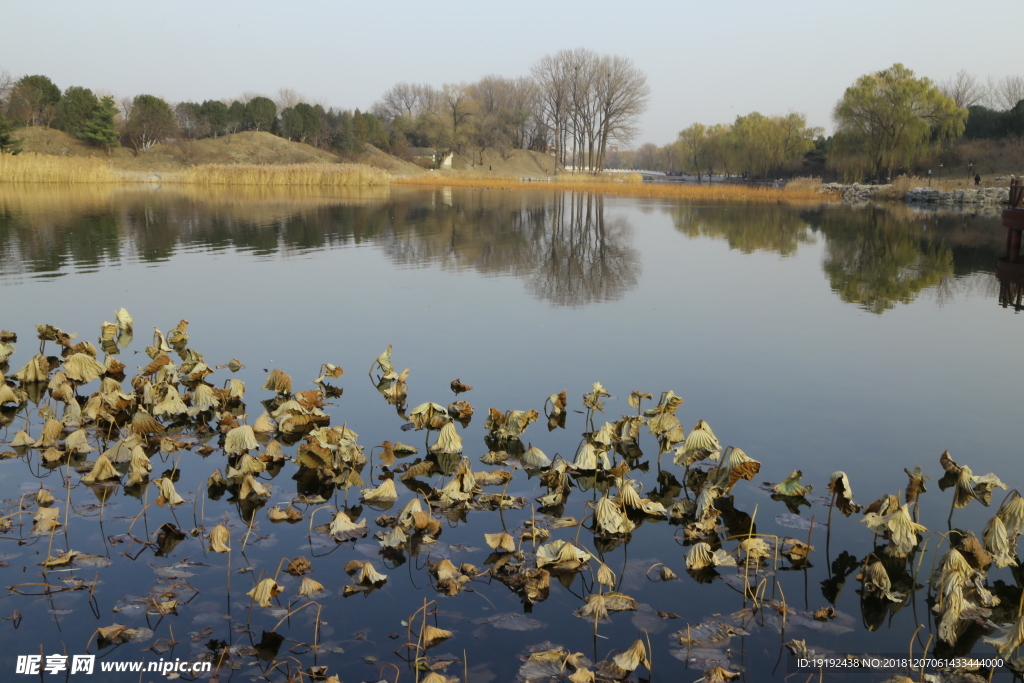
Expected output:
(819, 339)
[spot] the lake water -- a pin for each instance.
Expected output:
(813, 338)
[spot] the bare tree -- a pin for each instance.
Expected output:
(287, 98)
(964, 88)
(1005, 93)
(622, 96)
(6, 85)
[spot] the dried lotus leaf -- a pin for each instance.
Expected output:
(368, 576)
(429, 416)
(102, 470)
(279, 381)
(839, 486)
(36, 370)
(384, 362)
(385, 493)
(792, 486)
(264, 592)
(168, 494)
(432, 636)
(83, 368)
(448, 440)
(220, 538)
(240, 440)
(342, 527)
(252, 487)
(310, 588)
(534, 458)
(501, 541)
(264, 424)
(633, 657)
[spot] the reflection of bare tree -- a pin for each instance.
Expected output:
(584, 258)
(749, 228)
(562, 244)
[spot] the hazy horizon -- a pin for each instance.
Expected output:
(704, 63)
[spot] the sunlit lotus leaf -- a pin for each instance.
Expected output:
(609, 516)
(589, 458)
(45, 521)
(9, 394)
(384, 362)
(124, 320)
(534, 458)
(78, 442)
(876, 580)
(999, 543)
(51, 333)
(22, 438)
(915, 487)
(551, 663)
(52, 429)
(246, 465)
(434, 677)
(61, 560)
(395, 538)
(699, 444)
(168, 495)
(83, 368)
(288, 514)
(264, 424)
(5, 351)
(178, 337)
(158, 363)
(111, 633)
(633, 657)
(220, 538)
(1012, 513)
(366, 575)
(385, 493)
(279, 381)
(252, 487)
(344, 529)
(592, 399)
(594, 610)
(739, 465)
(666, 426)
(792, 486)
(667, 405)
(558, 403)
(582, 675)
(432, 636)
(1010, 638)
(516, 422)
(701, 556)
(36, 370)
(171, 404)
(53, 455)
(448, 440)
(493, 478)
(605, 576)
(102, 470)
(429, 416)
(265, 591)
(144, 423)
(460, 410)
(240, 440)
(310, 588)
(501, 541)
(755, 548)
(43, 497)
(560, 555)
(203, 399)
(839, 486)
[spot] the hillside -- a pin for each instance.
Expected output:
(260, 148)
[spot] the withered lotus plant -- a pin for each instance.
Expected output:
(265, 591)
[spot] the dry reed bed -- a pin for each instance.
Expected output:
(295, 175)
(698, 193)
(44, 168)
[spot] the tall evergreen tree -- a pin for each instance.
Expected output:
(100, 130)
(8, 144)
(75, 109)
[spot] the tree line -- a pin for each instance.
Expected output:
(886, 123)
(578, 106)
(572, 105)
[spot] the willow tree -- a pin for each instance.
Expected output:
(892, 117)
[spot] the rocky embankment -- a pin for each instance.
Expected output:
(981, 196)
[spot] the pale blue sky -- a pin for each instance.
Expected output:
(706, 62)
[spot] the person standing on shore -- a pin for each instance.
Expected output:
(977, 180)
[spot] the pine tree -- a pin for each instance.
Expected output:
(99, 130)
(8, 145)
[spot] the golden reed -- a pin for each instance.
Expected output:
(717, 192)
